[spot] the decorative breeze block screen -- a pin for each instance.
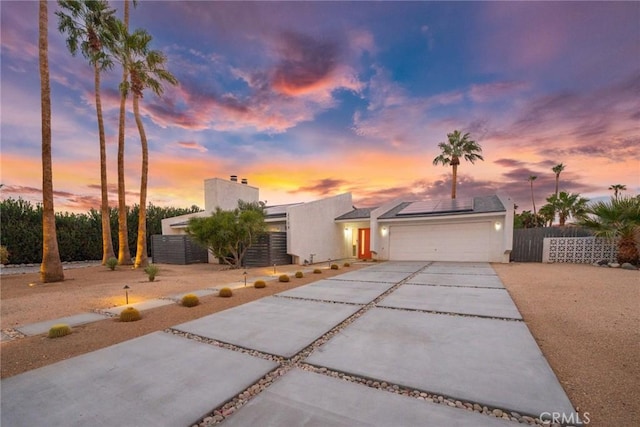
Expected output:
(578, 250)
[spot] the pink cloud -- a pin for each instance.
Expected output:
(192, 145)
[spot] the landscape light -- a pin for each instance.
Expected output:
(126, 293)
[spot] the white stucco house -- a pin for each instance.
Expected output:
(474, 229)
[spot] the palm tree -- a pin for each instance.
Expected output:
(533, 200)
(566, 205)
(618, 219)
(147, 70)
(51, 267)
(457, 146)
(90, 26)
(617, 188)
(557, 169)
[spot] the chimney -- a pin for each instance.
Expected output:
(234, 178)
(244, 181)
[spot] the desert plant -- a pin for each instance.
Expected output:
(4, 255)
(152, 271)
(259, 284)
(59, 330)
(334, 266)
(112, 263)
(130, 314)
(299, 274)
(346, 264)
(283, 278)
(317, 271)
(225, 293)
(190, 300)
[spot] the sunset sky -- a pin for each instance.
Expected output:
(307, 100)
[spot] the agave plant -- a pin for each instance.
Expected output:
(618, 219)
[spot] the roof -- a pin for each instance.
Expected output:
(356, 213)
(485, 204)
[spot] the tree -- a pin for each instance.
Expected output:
(91, 28)
(533, 200)
(618, 219)
(458, 146)
(146, 69)
(566, 205)
(51, 267)
(228, 234)
(617, 188)
(527, 220)
(557, 169)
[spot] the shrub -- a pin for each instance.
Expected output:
(317, 271)
(4, 255)
(225, 293)
(59, 330)
(130, 314)
(259, 284)
(283, 278)
(299, 275)
(152, 271)
(346, 264)
(190, 300)
(111, 263)
(334, 266)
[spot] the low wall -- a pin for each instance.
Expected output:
(578, 250)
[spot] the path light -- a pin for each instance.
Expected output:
(126, 293)
(245, 277)
(274, 270)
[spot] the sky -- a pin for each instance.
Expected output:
(307, 100)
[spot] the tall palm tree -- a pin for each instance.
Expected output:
(458, 146)
(557, 169)
(617, 188)
(147, 70)
(51, 267)
(566, 205)
(618, 219)
(91, 28)
(124, 253)
(533, 200)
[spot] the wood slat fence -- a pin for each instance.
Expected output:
(528, 242)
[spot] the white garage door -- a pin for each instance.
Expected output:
(441, 242)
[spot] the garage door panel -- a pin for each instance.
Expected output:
(441, 242)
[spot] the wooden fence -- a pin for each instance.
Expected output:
(528, 242)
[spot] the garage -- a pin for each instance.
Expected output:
(463, 241)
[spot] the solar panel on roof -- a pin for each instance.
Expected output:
(438, 206)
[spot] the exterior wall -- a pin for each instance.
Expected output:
(311, 229)
(378, 234)
(166, 223)
(579, 250)
(225, 194)
(350, 236)
(507, 225)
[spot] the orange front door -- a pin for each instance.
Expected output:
(364, 243)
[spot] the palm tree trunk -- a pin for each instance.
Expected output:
(141, 250)
(557, 183)
(124, 254)
(51, 267)
(454, 180)
(533, 200)
(107, 244)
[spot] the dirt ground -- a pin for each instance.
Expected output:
(585, 319)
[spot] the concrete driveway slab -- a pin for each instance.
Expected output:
(461, 264)
(155, 380)
(398, 266)
(302, 398)
(43, 327)
(142, 305)
(478, 281)
(279, 326)
(366, 275)
(340, 291)
(489, 302)
(491, 362)
(460, 270)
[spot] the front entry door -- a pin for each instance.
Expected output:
(364, 243)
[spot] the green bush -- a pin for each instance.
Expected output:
(190, 300)
(59, 330)
(346, 264)
(225, 293)
(299, 275)
(259, 284)
(152, 271)
(112, 263)
(335, 267)
(317, 271)
(283, 278)
(130, 314)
